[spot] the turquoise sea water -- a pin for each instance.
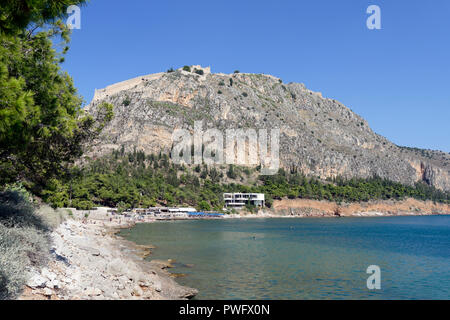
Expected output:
(305, 258)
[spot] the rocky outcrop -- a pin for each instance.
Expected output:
(318, 136)
(316, 208)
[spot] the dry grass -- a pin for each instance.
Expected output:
(51, 217)
(20, 248)
(24, 239)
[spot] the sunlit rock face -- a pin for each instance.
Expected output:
(318, 136)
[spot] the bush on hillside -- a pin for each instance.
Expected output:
(24, 242)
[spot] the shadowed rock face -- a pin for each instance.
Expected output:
(318, 136)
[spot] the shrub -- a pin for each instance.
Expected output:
(24, 242)
(53, 217)
(200, 72)
(231, 173)
(122, 206)
(17, 211)
(187, 68)
(126, 102)
(236, 71)
(13, 262)
(219, 92)
(269, 202)
(170, 70)
(204, 205)
(81, 204)
(251, 208)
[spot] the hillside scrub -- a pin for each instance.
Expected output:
(24, 239)
(138, 180)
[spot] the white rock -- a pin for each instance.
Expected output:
(53, 284)
(48, 292)
(37, 281)
(93, 291)
(48, 274)
(137, 291)
(67, 280)
(117, 267)
(157, 286)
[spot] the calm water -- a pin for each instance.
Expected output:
(306, 258)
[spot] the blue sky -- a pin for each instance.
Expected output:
(397, 78)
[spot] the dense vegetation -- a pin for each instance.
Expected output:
(42, 124)
(42, 130)
(134, 179)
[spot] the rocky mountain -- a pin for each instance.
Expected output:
(318, 136)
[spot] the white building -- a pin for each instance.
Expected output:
(239, 200)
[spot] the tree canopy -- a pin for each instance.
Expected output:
(17, 15)
(42, 124)
(134, 179)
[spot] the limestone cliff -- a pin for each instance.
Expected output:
(318, 136)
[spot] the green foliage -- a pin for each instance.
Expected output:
(42, 129)
(251, 208)
(42, 124)
(150, 180)
(200, 72)
(126, 102)
(353, 190)
(204, 206)
(187, 68)
(231, 173)
(17, 15)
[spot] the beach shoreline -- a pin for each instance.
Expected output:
(89, 262)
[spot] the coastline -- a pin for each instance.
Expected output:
(374, 208)
(89, 262)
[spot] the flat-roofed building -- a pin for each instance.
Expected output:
(239, 200)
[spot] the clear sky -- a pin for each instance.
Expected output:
(397, 78)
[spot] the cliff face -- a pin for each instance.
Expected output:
(318, 136)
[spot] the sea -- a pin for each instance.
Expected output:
(405, 257)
